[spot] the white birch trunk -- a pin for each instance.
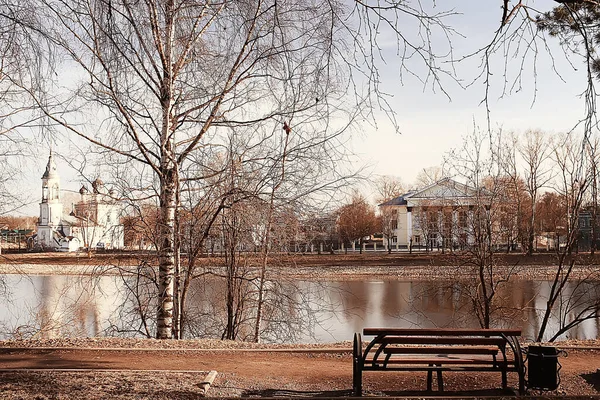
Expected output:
(168, 191)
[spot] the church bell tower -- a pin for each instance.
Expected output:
(51, 206)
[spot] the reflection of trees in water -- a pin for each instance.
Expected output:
(577, 309)
(53, 306)
(135, 315)
(69, 306)
(292, 309)
(450, 304)
(296, 310)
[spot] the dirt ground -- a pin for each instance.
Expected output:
(155, 369)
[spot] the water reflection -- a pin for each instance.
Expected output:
(53, 306)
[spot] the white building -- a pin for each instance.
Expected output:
(94, 221)
(432, 217)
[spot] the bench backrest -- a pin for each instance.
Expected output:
(438, 337)
(441, 332)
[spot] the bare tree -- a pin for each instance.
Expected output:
(22, 70)
(593, 156)
(388, 188)
(574, 181)
(516, 196)
(478, 164)
(535, 153)
(166, 88)
(429, 175)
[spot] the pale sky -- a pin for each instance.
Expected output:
(430, 123)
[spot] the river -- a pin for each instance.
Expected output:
(60, 305)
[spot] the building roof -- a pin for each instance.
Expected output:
(51, 171)
(444, 188)
(396, 201)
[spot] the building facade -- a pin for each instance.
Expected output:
(434, 217)
(93, 221)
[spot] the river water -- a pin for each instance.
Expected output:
(58, 305)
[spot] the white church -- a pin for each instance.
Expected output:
(93, 221)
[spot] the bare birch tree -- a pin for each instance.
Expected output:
(160, 78)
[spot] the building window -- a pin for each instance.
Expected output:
(417, 239)
(462, 219)
(395, 224)
(394, 239)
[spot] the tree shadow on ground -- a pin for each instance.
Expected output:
(97, 384)
(480, 393)
(296, 393)
(593, 379)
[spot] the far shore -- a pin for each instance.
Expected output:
(312, 266)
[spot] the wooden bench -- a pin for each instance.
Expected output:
(438, 349)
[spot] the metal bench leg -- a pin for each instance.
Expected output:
(440, 380)
(504, 382)
(429, 379)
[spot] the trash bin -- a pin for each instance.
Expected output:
(543, 367)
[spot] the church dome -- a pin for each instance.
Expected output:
(83, 190)
(97, 185)
(51, 171)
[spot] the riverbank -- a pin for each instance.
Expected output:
(146, 368)
(380, 258)
(345, 267)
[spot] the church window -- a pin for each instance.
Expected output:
(55, 191)
(44, 193)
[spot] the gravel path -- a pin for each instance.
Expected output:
(85, 368)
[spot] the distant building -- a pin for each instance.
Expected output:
(436, 216)
(586, 230)
(93, 222)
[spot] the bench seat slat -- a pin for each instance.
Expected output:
(442, 350)
(437, 360)
(460, 368)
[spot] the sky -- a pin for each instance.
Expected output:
(431, 122)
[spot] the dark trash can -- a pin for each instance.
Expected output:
(543, 367)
